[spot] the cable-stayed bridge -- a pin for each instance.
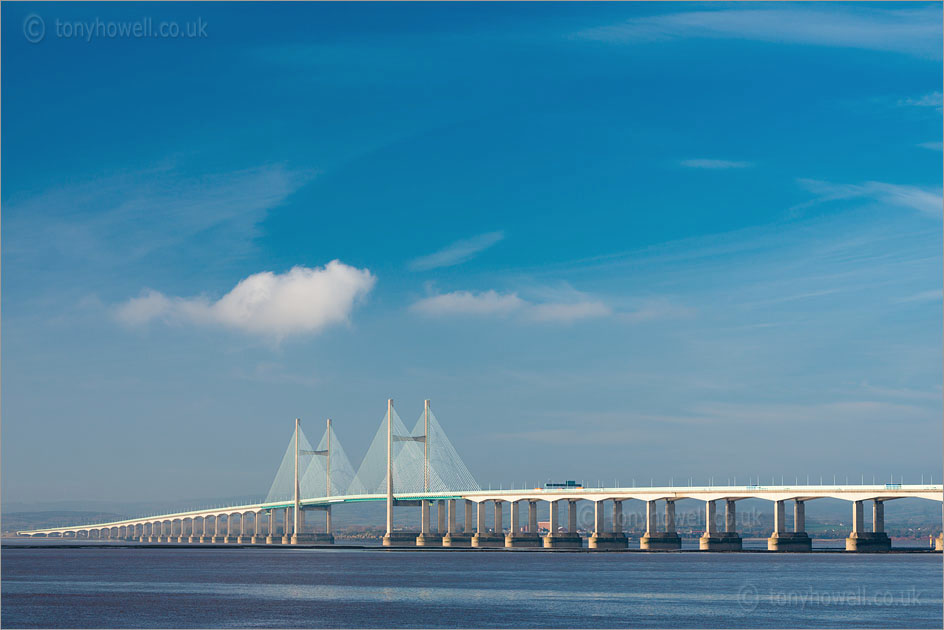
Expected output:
(420, 467)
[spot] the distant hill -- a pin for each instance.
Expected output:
(14, 521)
(130, 508)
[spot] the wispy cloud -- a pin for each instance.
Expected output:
(493, 303)
(564, 312)
(933, 295)
(925, 200)
(302, 300)
(932, 146)
(470, 303)
(848, 412)
(656, 309)
(629, 427)
(271, 372)
(903, 392)
(125, 217)
(933, 99)
(714, 164)
(911, 31)
(457, 252)
(555, 305)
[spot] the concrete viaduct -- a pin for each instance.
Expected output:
(274, 524)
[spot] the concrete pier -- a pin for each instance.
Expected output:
(563, 540)
(287, 527)
(653, 539)
(194, 536)
(453, 537)
(515, 538)
(217, 533)
(724, 540)
(427, 538)
(272, 534)
(484, 538)
(601, 538)
(714, 540)
(797, 540)
(876, 540)
(242, 536)
(939, 542)
(230, 536)
(257, 537)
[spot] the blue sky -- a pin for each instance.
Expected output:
(609, 241)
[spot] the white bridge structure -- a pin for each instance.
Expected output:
(420, 467)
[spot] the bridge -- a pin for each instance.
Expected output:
(421, 467)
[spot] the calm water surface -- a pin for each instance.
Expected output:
(121, 587)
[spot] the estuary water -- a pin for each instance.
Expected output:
(128, 587)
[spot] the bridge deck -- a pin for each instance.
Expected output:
(884, 492)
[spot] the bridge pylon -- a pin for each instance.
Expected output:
(394, 538)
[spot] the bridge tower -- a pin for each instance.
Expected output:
(426, 537)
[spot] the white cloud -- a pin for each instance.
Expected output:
(924, 200)
(300, 301)
(714, 164)
(457, 252)
(492, 303)
(141, 310)
(932, 146)
(910, 31)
